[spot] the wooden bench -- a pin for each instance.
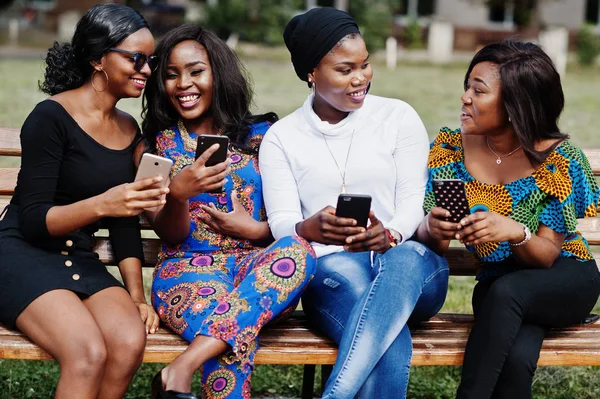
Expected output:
(438, 342)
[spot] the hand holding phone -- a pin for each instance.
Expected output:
(354, 206)
(152, 166)
(450, 194)
(205, 141)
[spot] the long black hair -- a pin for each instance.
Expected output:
(531, 91)
(68, 66)
(231, 96)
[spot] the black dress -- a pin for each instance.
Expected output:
(61, 164)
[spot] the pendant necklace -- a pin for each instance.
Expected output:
(498, 156)
(342, 174)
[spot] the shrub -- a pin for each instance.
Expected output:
(412, 35)
(375, 19)
(265, 24)
(588, 45)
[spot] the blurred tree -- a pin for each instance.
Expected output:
(375, 18)
(255, 20)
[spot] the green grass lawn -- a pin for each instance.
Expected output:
(434, 91)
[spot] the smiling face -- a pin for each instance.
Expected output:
(123, 80)
(341, 79)
(483, 110)
(189, 80)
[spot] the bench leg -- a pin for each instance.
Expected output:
(308, 381)
(326, 370)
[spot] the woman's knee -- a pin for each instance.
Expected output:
(85, 356)
(126, 346)
(307, 257)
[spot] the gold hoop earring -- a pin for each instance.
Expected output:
(105, 74)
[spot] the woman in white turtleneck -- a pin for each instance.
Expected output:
(369, 282)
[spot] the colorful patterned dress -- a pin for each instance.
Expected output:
(221, 286)
(561, 190)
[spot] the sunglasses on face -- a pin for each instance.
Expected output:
(139, 59)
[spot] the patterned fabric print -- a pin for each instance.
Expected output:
(209, 284)
(244, 178)
(220, 384)
(559, 192)
(211, 303)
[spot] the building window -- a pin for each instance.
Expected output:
(592, 12)
(416, 8)
(501, 12)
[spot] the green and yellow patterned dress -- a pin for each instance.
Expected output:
(561, 190)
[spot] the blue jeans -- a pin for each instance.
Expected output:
(365, 307)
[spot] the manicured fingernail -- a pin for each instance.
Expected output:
(457, 236)
(349, 240)
(346, 248)
(158, 178)
(448, 214)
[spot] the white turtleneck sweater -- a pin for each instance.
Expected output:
(387, 160)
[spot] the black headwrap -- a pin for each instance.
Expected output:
(310, 36)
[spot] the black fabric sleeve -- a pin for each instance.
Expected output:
(43, 140)
(125, 238)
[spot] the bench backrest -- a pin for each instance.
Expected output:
(460, 260)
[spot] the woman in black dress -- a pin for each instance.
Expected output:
(76, 167)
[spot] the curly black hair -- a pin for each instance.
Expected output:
(68, 66)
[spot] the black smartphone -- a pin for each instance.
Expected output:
(450, 194)
(354, 206)
(205, 141)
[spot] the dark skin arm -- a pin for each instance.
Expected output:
(435, 232)
(172, 221)
(375, 238)
(541, 251)
(127, 199)
(237, 223)
(326, 228)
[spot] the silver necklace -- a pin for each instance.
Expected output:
(499, 160)
(342, 175)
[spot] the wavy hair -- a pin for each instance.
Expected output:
(231, 96)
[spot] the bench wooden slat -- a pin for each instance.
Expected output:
(8, 180)
(10, 143)
(436, 342)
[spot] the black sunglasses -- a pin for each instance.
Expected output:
(139, 59)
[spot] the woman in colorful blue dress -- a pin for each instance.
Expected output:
(526, 186)
(215, 283)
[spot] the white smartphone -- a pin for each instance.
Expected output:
(151, 166)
